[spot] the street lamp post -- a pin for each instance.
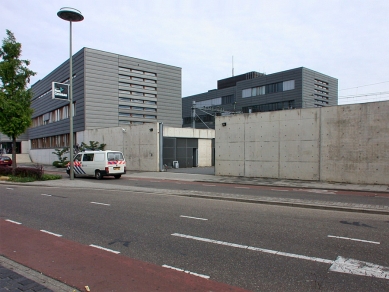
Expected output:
(71, 15)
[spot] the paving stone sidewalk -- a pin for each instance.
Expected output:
(15, 277)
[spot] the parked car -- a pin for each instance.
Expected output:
(98, 164)
(5, 160)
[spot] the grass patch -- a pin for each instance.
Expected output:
(51, 176)
(21, 179)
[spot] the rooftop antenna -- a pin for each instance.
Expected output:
(232, 66)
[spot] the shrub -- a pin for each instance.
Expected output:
(35, 172)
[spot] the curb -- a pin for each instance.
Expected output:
(289, 204)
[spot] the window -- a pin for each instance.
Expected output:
(150, 117)
(137, 78)
(261, 90)
(137, 108)
(124, 114)
(137, 86)
(288, 85)
(150, 102)
(246, 93)
(150, 81)
(150, 95)
(137, 116)
(88, 157)
(150, 74)
(228, 99)
(136, 71)
(124, 106)
(136, 93)
(147, 109)
(150, 88)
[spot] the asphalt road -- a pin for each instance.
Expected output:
(256, 247)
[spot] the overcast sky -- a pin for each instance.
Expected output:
(346, 39)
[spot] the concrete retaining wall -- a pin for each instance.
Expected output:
(139, 144)
(341, 144)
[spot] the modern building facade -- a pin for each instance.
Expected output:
(258, 92)
(109, 90)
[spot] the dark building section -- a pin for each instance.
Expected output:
(109, 90)
(258, 92)
(182, 150)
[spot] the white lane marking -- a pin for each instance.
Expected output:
(100, 204)
(353, 239)
(103, 248)
(341, 264)
(188, 272)
(318, 191)
(355, 267)
(254, 248)
(9, 189)
(209, 185)
(13, 221)
(279, 190)
(51, 233)
(47, 195)
(183, 216)
(132, 179)
(242, 187)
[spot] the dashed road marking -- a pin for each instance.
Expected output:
(279, 190)
(353, 239)
(209, 185)
(13, 221)
(241, 187)
(51, 233)
(196, 218)
(188, 272)
(97, 203)
(341, 265)
(106, 249)
(47, 195)
(9, 189)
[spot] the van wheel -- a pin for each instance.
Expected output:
(98, 174)
(117, 176)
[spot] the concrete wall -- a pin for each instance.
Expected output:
(341, 144)
(139, 145)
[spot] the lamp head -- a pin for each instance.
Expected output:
(70, 14)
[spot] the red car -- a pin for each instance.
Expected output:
(5, 160)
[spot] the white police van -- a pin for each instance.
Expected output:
(98, 164)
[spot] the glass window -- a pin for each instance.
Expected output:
(261, 90)
(150, 117)
(124, 106)
(288, 85)
(137, 108)
(253, 91)
(150, 81)
(137, 116)
(124, 114)
(114, 156)
(246, 93)
(88, 157)
(136, 71)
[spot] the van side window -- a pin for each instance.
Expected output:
(78, 157)
(88, 157)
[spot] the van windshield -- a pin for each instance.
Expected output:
(115, 156)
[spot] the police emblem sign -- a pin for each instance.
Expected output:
(60, 91)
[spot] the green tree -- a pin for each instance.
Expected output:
(15, 98)
(93, 145)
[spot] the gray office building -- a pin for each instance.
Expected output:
(109, 90)
(259, 92)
